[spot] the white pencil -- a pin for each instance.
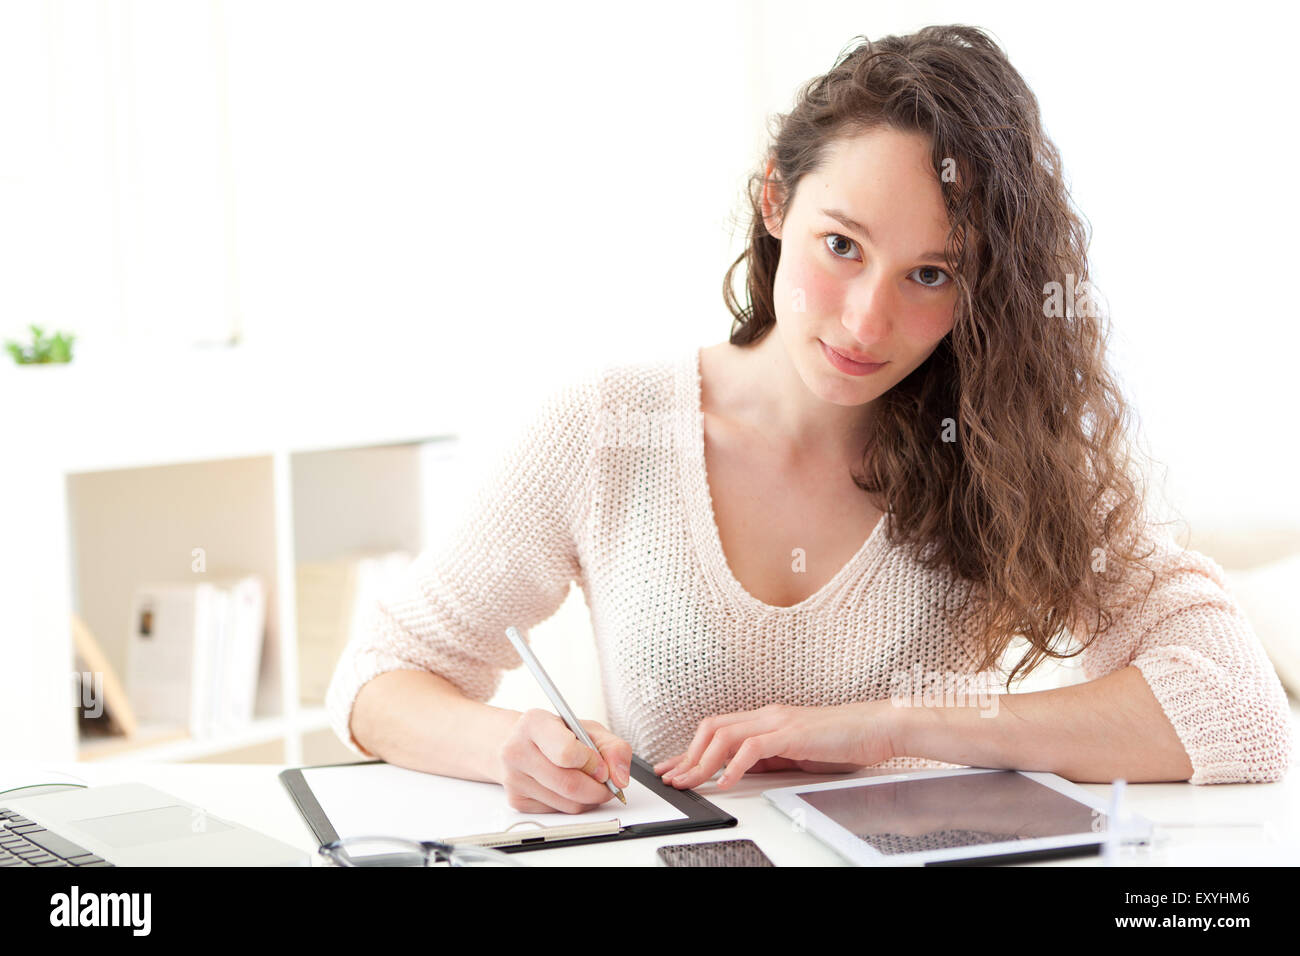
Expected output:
(567, 715)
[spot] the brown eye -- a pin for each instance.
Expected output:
(931, 273)
(833, 240)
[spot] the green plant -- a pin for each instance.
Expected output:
(57, 348)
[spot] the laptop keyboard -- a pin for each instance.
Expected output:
(24, 843)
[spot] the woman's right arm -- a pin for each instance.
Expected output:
(420, 720)
(412, 686)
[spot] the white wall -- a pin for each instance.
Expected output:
(534, 188)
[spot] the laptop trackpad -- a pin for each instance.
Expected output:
(150, 826)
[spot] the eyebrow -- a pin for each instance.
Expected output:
(846, 220)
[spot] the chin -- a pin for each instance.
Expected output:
(850, 394)
(836, 391)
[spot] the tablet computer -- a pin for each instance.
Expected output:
(953, 817)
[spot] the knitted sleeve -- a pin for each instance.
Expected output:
(510, 560)
(1203, 662)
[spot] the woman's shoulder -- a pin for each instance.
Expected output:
(649, 380)
(605, 399)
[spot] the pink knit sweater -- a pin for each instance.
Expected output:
(606, 486)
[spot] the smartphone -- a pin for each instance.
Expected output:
(717, 853)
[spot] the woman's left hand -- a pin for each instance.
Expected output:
(837, 739)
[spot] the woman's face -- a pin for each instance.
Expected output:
(876, 288)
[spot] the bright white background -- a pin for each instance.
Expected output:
(530, 189)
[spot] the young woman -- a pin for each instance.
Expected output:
(908, 453)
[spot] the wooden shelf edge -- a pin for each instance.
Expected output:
(175, 744)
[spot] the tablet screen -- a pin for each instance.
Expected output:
(910, 816)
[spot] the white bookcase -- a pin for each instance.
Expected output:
(261, 514)
(123, 474)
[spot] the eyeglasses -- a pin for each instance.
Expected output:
(394, 851)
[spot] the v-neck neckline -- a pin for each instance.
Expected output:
(703, 520)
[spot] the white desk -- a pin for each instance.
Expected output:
(253, 795)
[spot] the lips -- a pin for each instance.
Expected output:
(846, 365)
(855, 356)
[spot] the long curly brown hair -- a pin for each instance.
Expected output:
(1005, 457)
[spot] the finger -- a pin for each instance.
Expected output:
(574, 783)
(559, 745)
(719, 751)
(530, 788)
(663, 767)
(760, 721)
(753, 750)
(616, 752)
(704, 734)
(529, 805)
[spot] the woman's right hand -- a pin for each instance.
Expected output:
(545, 768)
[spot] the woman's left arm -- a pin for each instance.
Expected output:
(1179, 688)
(1090, 733)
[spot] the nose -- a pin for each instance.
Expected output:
(867, 310)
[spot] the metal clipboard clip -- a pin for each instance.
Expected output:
(543, 834)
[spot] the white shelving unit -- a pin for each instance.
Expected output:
(263, 467)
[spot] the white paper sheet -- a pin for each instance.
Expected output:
(383, 800)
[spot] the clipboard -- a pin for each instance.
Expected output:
(700, 814)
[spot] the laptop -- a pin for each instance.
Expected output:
(129, 824)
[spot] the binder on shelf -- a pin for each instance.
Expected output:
(247, 606)
(193, 653)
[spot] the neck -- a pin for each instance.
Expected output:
(768, 394)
